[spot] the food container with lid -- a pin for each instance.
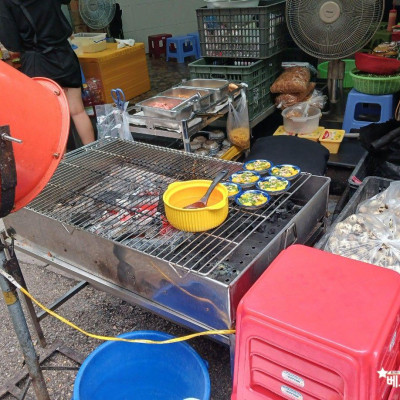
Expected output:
(166, 107)
(252, 199)
(233, 189)
(331, 139)
(180, 194)
(218, 87)
(195, 145)
(298, 120)
(201, 139)
(217, 135)
(245, 179)
(231, 3)
(201, 98)
(273, 185)
(261, 166)
(287, 171)
(202, 152)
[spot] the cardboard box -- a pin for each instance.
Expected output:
(124, 68)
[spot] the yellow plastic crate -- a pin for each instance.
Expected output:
(331, 139)
(124, 68)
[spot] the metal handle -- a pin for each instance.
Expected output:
(214, 183)
(4, 136)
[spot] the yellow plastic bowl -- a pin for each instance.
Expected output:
(180, 194)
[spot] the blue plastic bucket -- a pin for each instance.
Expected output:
(119, 371)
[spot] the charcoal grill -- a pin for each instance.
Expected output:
(101, 218)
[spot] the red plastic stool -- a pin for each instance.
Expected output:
(157, 44)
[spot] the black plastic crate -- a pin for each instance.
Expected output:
(254, 32)
(371, 186)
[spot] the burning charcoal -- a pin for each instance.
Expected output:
(110, 196)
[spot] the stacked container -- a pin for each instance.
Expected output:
(243, 45)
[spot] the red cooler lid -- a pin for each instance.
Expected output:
(36, 110)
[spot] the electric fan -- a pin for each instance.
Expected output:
(97, 14)
(333, 29)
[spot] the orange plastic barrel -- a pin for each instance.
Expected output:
(36, 110)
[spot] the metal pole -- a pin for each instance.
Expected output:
(22, 332)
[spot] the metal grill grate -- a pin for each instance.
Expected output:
(114, 189)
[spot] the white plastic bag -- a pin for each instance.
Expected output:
(113, 122)
(237, 125)
(373, 234)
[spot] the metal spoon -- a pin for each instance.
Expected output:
(203, 201)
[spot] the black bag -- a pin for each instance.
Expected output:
(382, 141)
(309, 156)
(115, 26)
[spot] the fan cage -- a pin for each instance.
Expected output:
(355, 27)
(97, 14)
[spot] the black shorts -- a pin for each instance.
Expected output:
(60, 64)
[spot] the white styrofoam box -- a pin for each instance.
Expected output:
(89, 42)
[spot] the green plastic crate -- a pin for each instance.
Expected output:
(349, 65)
(254, 32)
(258, 76)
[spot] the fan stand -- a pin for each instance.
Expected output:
(336, 73)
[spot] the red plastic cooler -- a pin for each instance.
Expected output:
(316, 326)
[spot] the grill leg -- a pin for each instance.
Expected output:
(15, 271)
(22, 331)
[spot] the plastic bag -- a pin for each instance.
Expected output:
(374, 239)
(386, 201)
(285, 100)
(292, 80)
(372, 234)
(113, 122)
(317, 99)
(237, 125)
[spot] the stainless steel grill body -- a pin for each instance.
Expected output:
(101, 218)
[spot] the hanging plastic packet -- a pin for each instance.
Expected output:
(113, 122)
(238, 126)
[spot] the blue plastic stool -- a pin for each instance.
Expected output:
(380, 106)
(180, 47)
(196, 37)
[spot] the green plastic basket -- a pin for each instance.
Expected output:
(375, 84)
(349, 65)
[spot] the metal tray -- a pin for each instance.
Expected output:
(180, 110)
(202, 102)
(218, 87)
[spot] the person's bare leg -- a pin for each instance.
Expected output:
(78, 114)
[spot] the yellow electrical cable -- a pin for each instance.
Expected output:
(112, 338)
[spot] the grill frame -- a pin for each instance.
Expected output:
(199, 299)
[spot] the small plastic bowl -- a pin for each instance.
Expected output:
(239, 177)
(259, 166)
(261, 185)
(276, 171)
(241, 196)
(233, 189)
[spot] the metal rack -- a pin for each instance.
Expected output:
(185, 129)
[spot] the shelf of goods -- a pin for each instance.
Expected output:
(185, 128)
